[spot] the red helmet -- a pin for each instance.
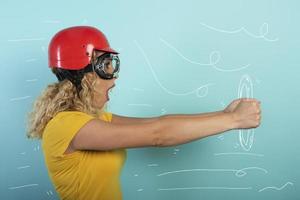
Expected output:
(72, 48)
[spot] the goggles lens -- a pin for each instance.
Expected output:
(107, 66)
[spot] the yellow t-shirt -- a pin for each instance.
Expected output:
(80, 175)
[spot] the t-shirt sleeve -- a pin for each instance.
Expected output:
(62, 130)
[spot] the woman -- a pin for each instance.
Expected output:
(83, 145)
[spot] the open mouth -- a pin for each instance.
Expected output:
(109, 91)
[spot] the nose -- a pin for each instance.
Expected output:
(113, 80)
(116, 76)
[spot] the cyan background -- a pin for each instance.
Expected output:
(169, 54)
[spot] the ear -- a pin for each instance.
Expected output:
(91, 76)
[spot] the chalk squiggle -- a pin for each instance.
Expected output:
(246, 137)
(197, 91)
(153, 165)
(49, 193)
(19, 98)
(139, 89)
(17, 187)
(51, 21)
(263, 31)
(31, 60)
(23, 167)
(135, 104)
(239, 153)
(276, 188)
(163, 111)
(238, 172)
(31, 80)
(241, 172)
(206, 188)
(25, 39)
(214, 58)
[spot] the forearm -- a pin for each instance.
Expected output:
(190, 116)
(174, 130)
(133, 120)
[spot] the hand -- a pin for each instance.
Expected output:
(232, 106)
(245, 112)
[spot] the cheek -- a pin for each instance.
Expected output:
(98, 87)
(99, 91)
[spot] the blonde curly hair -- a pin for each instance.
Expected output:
(58, 97)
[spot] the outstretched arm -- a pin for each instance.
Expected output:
(167, 130)
(161, 131)
(118, 119)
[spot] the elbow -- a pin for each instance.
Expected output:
(157, 133)
(162, 134)
(161, 140)
(157, 141)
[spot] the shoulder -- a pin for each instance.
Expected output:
(61, 129)
(65, 119)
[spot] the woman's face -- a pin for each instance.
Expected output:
(101, 87)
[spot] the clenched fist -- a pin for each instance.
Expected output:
(246, 113)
